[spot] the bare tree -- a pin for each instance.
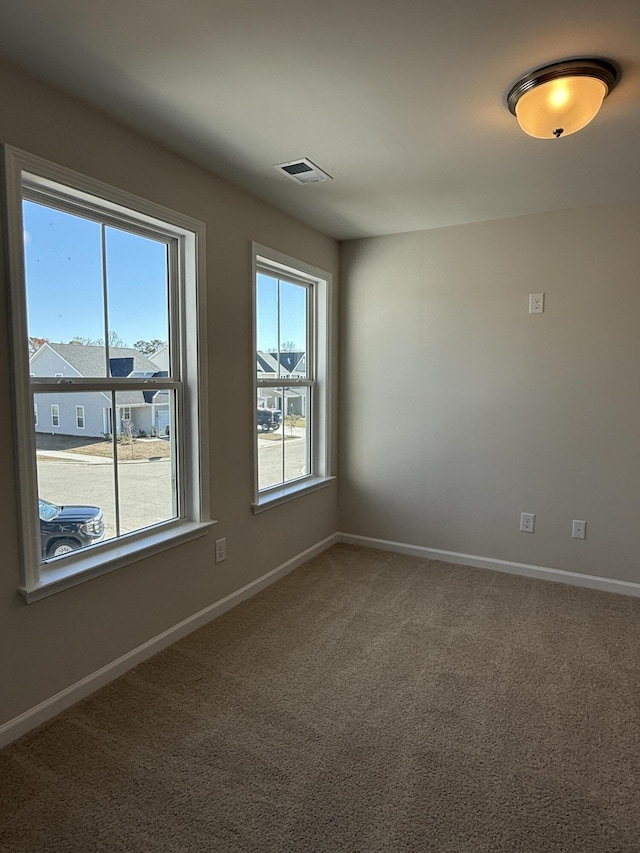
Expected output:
(149, 347)
(291, 421)
(36, 343)
(127, 434)
(114, 340)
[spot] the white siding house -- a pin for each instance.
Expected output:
(161, 358)
(88, 413)
(292, 366)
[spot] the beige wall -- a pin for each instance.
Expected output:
(48, 645)
(459, 410)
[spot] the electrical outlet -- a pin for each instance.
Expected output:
(221, 550)
(527, 522)
(536, 303)
(579, 529)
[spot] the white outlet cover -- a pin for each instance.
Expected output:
(536, 303)
(527, 522)
(578, 529)
(221, 550)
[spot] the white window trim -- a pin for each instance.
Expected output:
(321, 350)
(39, 581)
(56, 416)
(35, 414)
(80, 417)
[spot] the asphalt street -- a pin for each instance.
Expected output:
(272, 458)
(145, 487)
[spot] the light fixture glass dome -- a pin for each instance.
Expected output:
(560, 107)
(560, 99)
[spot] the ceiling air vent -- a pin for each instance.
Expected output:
(303, 171)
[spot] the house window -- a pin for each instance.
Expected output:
(291, 378)
(122, 276)
(126, 413)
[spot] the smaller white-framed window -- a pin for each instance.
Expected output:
(35, 414)
(55, 415)
(126, 413)
(58, 375)
(80, 417)
(291, 377)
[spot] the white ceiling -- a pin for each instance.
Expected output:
(402, 101)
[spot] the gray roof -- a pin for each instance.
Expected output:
(291, 362)
(130, 398)
(88, 360)
(141, 398)
(267, 363)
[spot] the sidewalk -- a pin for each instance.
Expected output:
(73, 457)
(65, 456)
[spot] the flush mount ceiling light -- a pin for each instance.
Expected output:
(560, 99)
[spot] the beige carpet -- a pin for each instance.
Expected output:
(367, 702)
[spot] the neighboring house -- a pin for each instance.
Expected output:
(161, 358)
(292, 366)
(89, 412)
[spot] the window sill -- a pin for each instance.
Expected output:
(93, 563)
(289, 493)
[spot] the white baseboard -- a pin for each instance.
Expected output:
(541, 572)
(38, 715)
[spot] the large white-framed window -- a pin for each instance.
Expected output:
(96, 275)
(291, 377)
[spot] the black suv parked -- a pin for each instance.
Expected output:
(65, 528)
(269, 419)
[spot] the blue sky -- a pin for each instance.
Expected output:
(63, 263)
(292, 313)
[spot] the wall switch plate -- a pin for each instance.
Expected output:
(221, 550)
(527, 522)
(536, 303)
(578, 529)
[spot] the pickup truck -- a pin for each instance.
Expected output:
(269, 419)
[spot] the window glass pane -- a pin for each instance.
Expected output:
(293, 329)
(296, 433)
(146, 458)
(75, 474)
(63, 270)
(270, 442)
(284, 447)
(98, 302)
(267, 326)
(137, 288)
